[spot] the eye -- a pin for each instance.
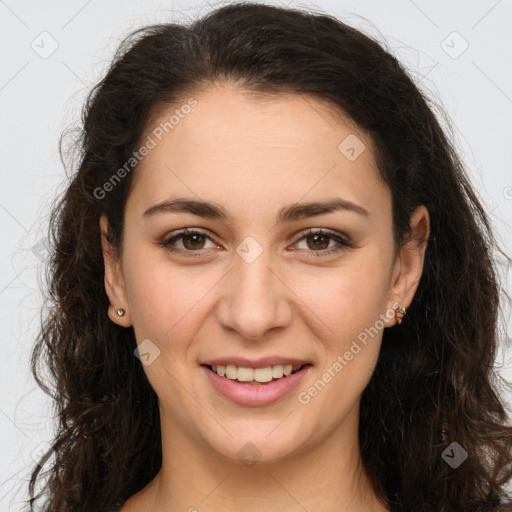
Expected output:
(318, 241)
(192, 241)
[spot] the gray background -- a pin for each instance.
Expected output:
(53, 52)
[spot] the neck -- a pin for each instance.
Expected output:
(327, 477)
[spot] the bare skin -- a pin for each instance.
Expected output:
(254, 156)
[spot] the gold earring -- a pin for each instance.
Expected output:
(399, 313)
(120, 312)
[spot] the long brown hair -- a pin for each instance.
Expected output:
(434, 382)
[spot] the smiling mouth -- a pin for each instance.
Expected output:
(256, 376)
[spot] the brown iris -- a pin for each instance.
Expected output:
(195, 237)
(317, 245)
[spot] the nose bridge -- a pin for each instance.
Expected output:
(254, 300)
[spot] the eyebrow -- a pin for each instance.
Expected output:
(288, 213)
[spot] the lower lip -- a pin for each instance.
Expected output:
(255, 395)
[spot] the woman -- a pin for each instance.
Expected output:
(272, 284)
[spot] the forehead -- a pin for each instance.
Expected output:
(258, 150)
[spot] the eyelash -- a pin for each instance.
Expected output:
(344, 242)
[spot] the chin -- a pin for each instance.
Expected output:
(253, 444)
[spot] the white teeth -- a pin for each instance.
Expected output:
(261, 374)
(277, 371)
(244, 374)
(231, 372)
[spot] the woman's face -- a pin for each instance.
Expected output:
(253, 283)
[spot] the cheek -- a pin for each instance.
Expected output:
(165, 301)
(349, 305)
(346, 300)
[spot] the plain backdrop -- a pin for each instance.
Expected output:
(458, 52)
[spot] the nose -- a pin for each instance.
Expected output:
(254, 299)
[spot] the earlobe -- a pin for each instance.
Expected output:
(411, 259)
(114, 279)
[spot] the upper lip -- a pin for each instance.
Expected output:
(262, 362)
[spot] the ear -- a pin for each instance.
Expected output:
(409, 263)
(114, 279)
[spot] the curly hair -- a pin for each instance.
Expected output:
(434, 382)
